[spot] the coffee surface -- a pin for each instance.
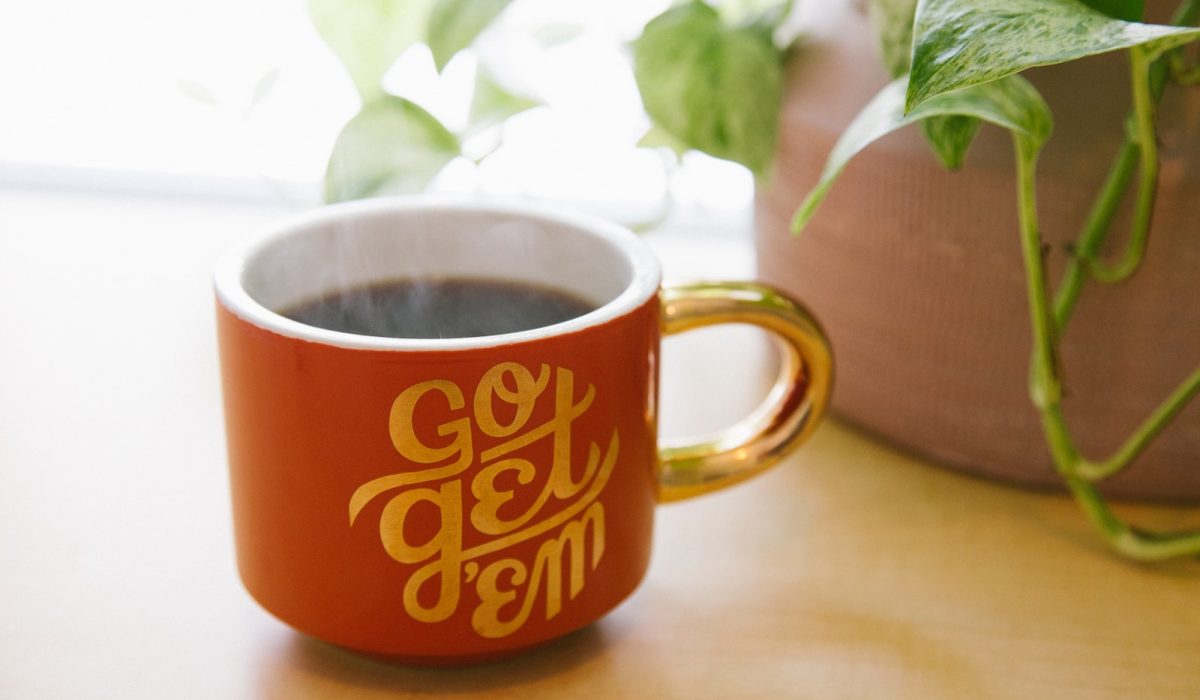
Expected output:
(439, 308)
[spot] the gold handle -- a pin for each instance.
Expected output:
(790, 411)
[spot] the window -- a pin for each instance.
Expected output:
(228, 98)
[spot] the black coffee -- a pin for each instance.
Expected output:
(440, 308)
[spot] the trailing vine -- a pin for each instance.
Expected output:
(988, 42)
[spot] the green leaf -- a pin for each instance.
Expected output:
(369, 35)
(764, 13)
(657, 137)
(492, 103)
(893, 22)
(1012, 103)
(950, 137)
(198, 91)
(454, 24)
(557, 33)
(958, 43)
(263, 87)
(713, 88)
(391, 146)
(1128, 10)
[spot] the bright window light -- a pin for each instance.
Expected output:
(165, 96)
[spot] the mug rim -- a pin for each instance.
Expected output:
(645, 271)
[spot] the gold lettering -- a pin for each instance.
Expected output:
(564, 413)
(523, 396)
(485, 516)
(562, 516)
(486, 618)
(405, 440)
(403, 431)
(551, 552)
(508, 588)
(547, 566)
(444, 547)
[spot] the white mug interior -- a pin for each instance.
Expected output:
(356, 244)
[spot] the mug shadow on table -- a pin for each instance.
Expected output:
(306, 657)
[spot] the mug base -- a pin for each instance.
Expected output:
(455, 660)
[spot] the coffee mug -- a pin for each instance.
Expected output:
(447, 500)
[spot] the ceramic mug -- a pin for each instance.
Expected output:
(455, 500)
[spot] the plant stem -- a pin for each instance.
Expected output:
(1045, 390)
(1116, 183)
(1183, 74)
(1187, 13)
(1144, 107)
(1094, 231)
(1145, 433)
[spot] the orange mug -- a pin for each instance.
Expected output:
(455, 500)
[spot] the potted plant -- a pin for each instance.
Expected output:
(718, 79)
(965, 346)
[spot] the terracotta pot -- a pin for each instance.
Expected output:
(916, 273)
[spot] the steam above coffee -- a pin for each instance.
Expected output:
(440, 308)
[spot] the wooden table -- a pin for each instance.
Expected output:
(850, 571)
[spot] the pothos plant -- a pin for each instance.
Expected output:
(961, 69)
(711, 78)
